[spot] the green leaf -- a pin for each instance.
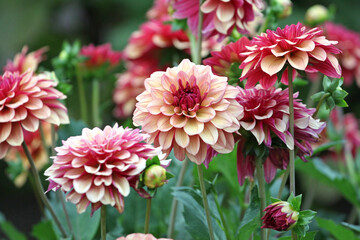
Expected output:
(317, 96)
(339, 94)
(44, 231)
(353, 227)
(322, 172)
(154, 161)
(301, 229)
(295, 201)
(336, 230)
(251, 220)
(326, 83)
(330, 103)
(169, 175)
(305, 217)
(300, 82)
(9, 230)
(274, 200)
(341, 103)
(333, 85)
(328, 145)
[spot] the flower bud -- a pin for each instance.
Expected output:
(280, 216)
(155, 176)
(316, 14)
(286, 6)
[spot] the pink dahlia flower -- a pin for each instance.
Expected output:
(96, 168)
(221, 61)
(303, 49)
(187, 108)
(24, 62)
(266, 116)
(349, 44)
(280, 216)
(220, 16)
(130, 84)
(36, 149)
(100, 55)
(141, 236)
(24, 101)
(159, 11)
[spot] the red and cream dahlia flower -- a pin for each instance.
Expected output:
(99, 55)
(266, 117)
(349, 44)
(96, 168)
(279, 216)
(141, 236)
(24, 101)
(187, 108)
(220, 16)
(130, 84)
(303, 49)
(221, 61)
(24, 62)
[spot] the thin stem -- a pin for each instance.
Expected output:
(82, 98)
(59, 194)
(147, 216)
(40, 189)
(95, 100)
(103, 222)
(315, 86)
(197, 60)
(43, 140)
(205, 202)
(291, 151)
(174, 204)
(223, 220)
(320, 103)
(38, 199)
(283, 182)
(262, 194)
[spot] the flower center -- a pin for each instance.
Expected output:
(187, 98)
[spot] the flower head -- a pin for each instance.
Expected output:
(24, 62)
(349, 44)
(24, 101)
(96, 167)
(221, 61)
(220, 16)
(159, 11)
(280, 216)
(187, 108)
(303, 49)
(265, 116)
(141, 236)
(99, 55)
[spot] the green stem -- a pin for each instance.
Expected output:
(103, 222)
(147, 216)
(320, 103)
(291, 151)
(43, 140)
(262, 194)
(95, 100)
(174, 204)
(82, 97)
(40, 190)
(199, 37)
(223, 220)
(38, 199)
(315, 86)
(205, 202)
(283, 182)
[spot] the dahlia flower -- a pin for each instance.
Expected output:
(220, 16)
(141, 236)
(24, 101)
(36, 149)
(266, 116)
(303, 49)
(349, 44)
(280, 216)
(99, 55)
(95, 168)
(221, 61)
(159, 11)
(130, 84)
(187, 108)
(23, 61)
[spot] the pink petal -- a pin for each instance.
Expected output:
(225, 12)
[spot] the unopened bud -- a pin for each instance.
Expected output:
(316, 14)
(280, 216)
(286, 6)
(155, 176)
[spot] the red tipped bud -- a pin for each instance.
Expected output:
(280, 216)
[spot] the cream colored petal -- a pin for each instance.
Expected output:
(306, 45)
(193, 127)
(298, 60)
(95, 193)
(30, 124)
(289, 141)
(20, 114)
(33, 104)
(302, 123)
(122, 184)
(82, 184)
(74, 173)
(181, 138)
(166, 138)
(179, 152)
(194, 145)
(6, 115)
(205, 114)
(42, 113)
(258, 133)
(335, 63)
(167, 110)
(225, 12)
(210, 134)
(5, 130)
(178, 121)
(280, 125)
(209, 6)
(82, 205)
(164, 124)
(272, 65)
(199, 158)
(16, 136)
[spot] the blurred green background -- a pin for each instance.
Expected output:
(39, 23)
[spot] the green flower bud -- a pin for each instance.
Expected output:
(316, 14)
(155, 176)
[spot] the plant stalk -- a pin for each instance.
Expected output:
(147, 216)
(319, 104)
(95, 100)
(223, 220)
(174, 204)
(205, 201)
(197, 60)
(103, 222)
(82, 97)
(40, 190)
(283, 182)
(262, 194)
